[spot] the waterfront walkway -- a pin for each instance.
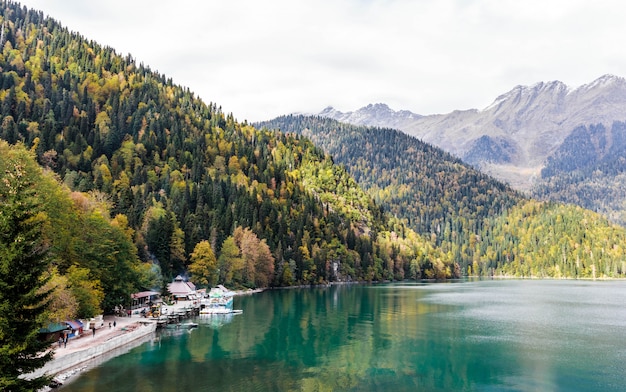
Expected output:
(123, 325)
(81, 352)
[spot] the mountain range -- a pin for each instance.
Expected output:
(292, 202)
(113, 180)
(513, 138)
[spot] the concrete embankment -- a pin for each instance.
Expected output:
(116, 336)
(98, 352)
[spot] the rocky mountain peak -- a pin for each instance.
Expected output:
(512, 137)
(522, 97)
(377, 114)
(603, 82)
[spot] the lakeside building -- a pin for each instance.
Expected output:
(53, 331)
(183, 290)
(144, 299)
(69, 329)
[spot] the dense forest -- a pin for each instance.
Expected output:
(463, 212)
(547, 239)
(589, 169)
(414, 180)
(135, 151)
(151, 182)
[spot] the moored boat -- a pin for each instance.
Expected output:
(219, 310)
(219, 301)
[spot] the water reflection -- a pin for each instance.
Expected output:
(513, 335)
(214, 321)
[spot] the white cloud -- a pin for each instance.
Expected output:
(260, 59)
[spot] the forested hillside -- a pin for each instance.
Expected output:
(175, 172)
(589, 169)
(540, 239)
(462, 210)
(434, 192)
(428, 187)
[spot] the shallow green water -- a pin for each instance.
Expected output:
(474, 336)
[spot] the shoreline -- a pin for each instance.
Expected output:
(68, 375)
(88, 351)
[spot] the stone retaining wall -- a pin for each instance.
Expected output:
(111, 346)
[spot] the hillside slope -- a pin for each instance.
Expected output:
(482, 223)
(412, 179)
(589, 169)
(183, 172)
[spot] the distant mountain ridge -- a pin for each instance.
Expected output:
(377, 115)
(513, 137)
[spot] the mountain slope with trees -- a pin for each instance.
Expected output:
(460, 209)
(589, 169)
(547, 239)
(172, 172)
(437, 194)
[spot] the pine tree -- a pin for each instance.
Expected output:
(23, 301)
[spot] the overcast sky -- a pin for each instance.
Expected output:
(260, 59)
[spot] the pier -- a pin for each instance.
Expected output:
(173, 314)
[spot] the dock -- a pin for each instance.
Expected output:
(175, 313)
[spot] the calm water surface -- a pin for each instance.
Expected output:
(460, 336)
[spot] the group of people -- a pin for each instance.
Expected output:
(63, 340)
(65, 336)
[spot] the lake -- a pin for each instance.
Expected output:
(490, 335)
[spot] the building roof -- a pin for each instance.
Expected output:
(144, 294)
(53, 327)
(75, 324)
(180, 288)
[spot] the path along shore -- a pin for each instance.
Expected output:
(83, 352)
(90, 349)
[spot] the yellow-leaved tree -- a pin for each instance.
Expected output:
(203, 267)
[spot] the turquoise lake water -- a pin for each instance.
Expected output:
(500, 335)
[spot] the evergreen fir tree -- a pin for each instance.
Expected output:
(22, 263)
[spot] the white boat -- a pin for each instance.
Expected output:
(219, 301)
(188, 325)
(216, 310)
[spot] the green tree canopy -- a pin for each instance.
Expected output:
(23, 263)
